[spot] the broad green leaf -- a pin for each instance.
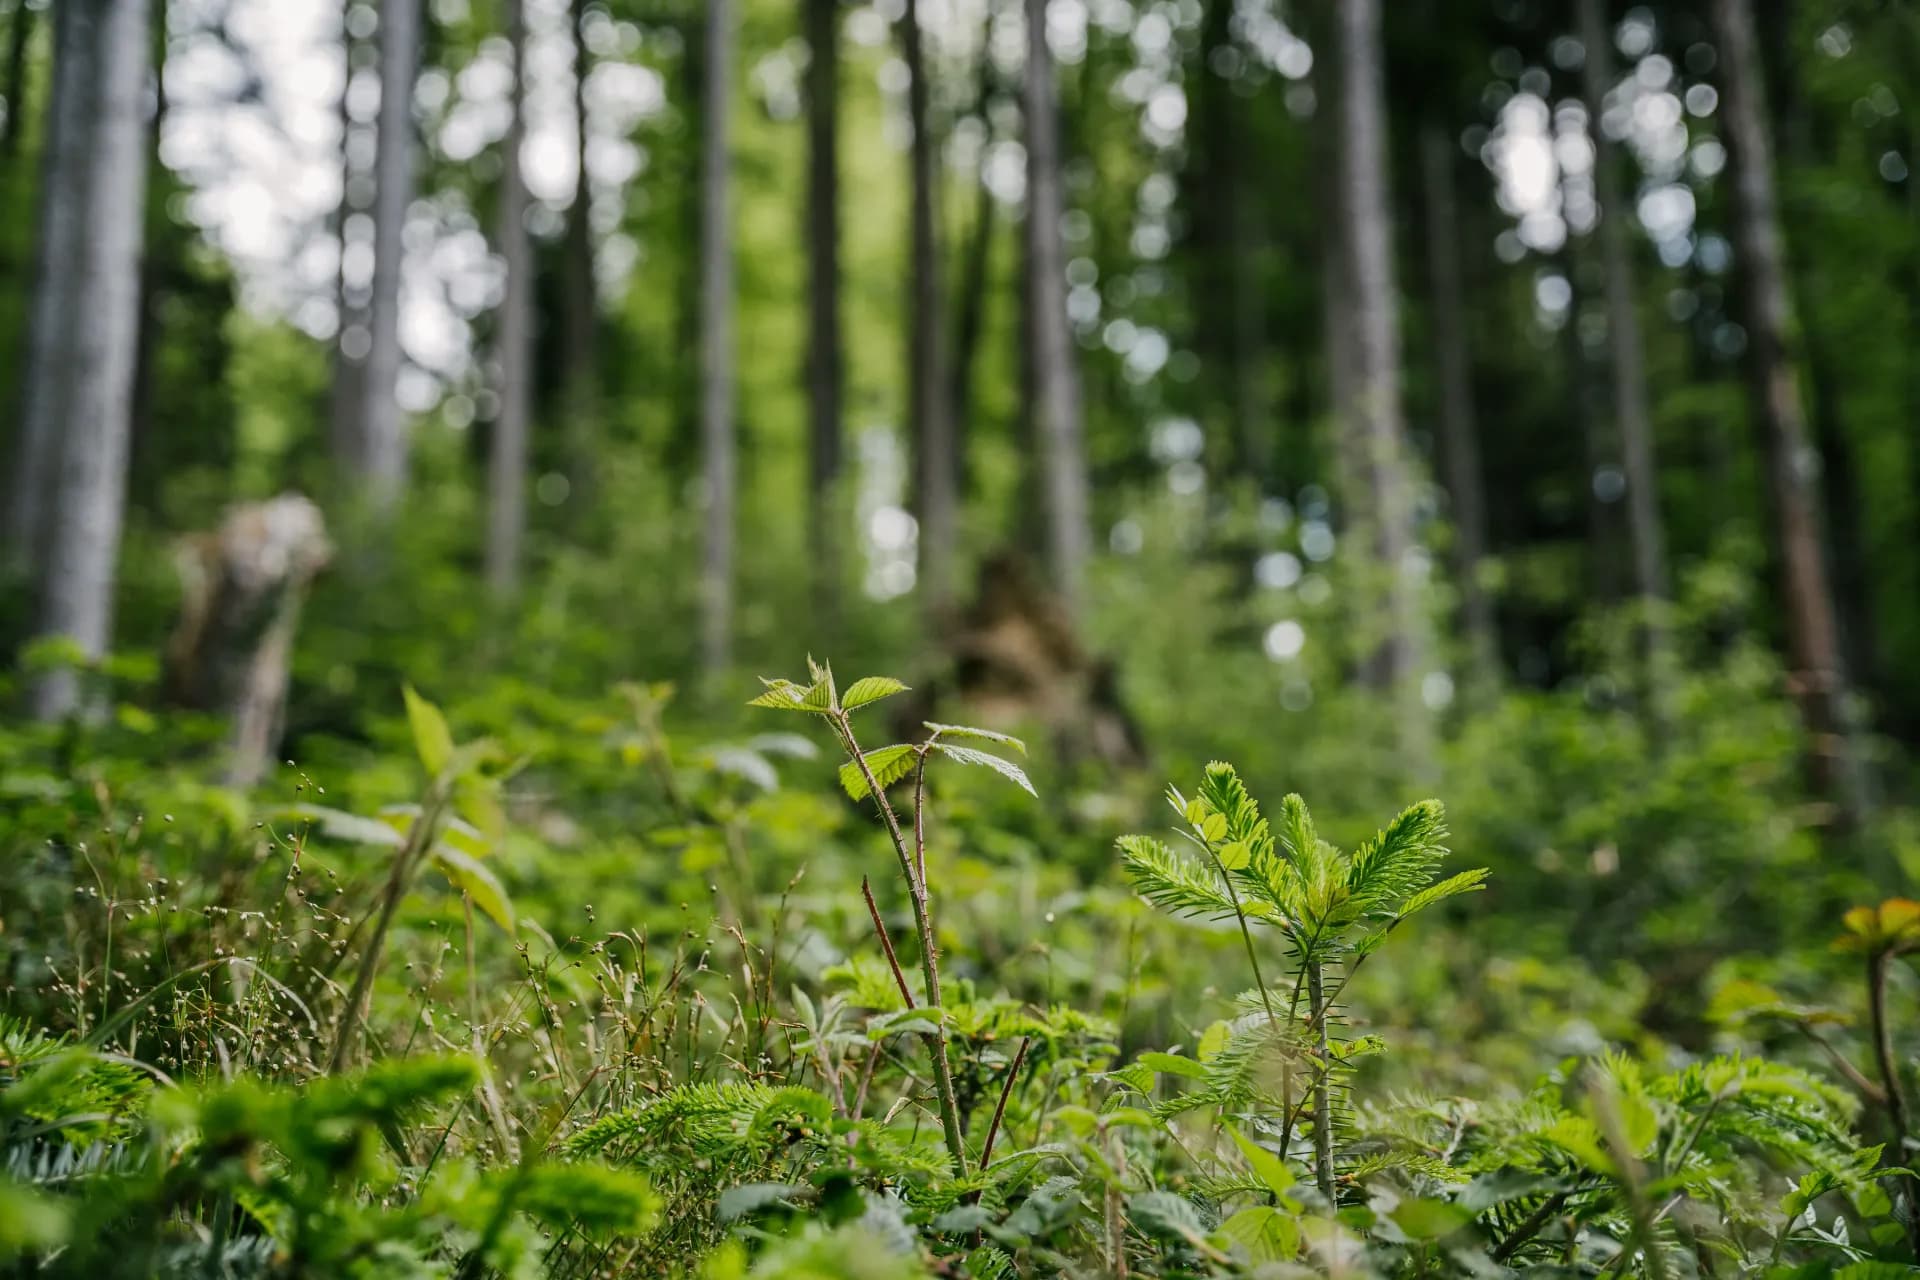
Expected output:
(1267, 1234)
(1429, 1219)
(1172, 1064)
(973, 731)
(431, 737)
(781, 695)
(479, 884)
(1268, 1167)
(888, 764)
(869, 689)
(1213, 1040)
(338, 824)
(1005, 768)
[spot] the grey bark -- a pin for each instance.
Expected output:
(379, 450)
(64, 176)
(1818, 678)
(19, 32)
(826, 360)
(1055, 411)
(1459, 423)
(716, 340)
(347, 393)
(1373, 416)
(513, 342)
(1626, 355)
(930, 405)
(94, 357)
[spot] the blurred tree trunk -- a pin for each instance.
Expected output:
(580, 312)
(64, 174)
(1819, 681)
(935, 490)
(376, 440)
(94, 356)
(1373, 415)
(347, 392)
(513, 341)
(716, 339)
(1227, 314)
(19, 32)
(826, 362)
(1459, 424)
(971, 312)
(1625, 351)
(1055, 407)
(146, 465)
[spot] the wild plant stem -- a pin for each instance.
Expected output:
(929, 957)
(1000, 1107)
(886, 942)
(1878, 971)
(1322, 1084)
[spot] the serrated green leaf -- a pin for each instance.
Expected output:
(477, 882)
(888, 764)
(1267, 1234)
(973, 731)
(781, 695)
(432, 740)
(869, 689)
(999, 764)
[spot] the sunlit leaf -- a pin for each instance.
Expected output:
(432, 740)
(477, 882)
(868, 690)
(1005, 768)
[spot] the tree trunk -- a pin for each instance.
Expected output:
(579, 314)
(94, 356)
(1625, 351)
(716, 340)
(231, 652)
(1818, 679)
(1055, 411)
(19, 31)
(935, 490)
(347, 394)
(971, 311)
(379, 456)
(64, 175)
(513, 342)
(826, 362)
(1373, 415)
(1459, 425)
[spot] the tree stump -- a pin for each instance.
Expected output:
(231, 652)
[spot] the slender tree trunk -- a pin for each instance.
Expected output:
(1373, 415)
(935, 490)
(379, 459)
(1055, 411)
(19, 32)
(64, 177)
(145, 450)
(1228, 311)
(96, 360)
(716, 339)
(513, 342)
(347, 393)
(1459, 424)
(971, 311)
(1813, 635)
(1625, 351)
(826, 362)
(579, 315)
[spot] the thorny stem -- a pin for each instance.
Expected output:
(1322, 1085)
(1000, 1108)
(886, 942)
(1878, 967)
(929, 958)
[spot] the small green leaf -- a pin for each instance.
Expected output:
(1172, 1064)
(432, 740)
(1268, 1167)
(972, 731)
(1213, 1040)
(479, 884)
(1005, 768)
(1267, 1234)
(869, 689)
(781, 695)
(1429, 1219)
(1214, 829)
(1234, 855)
(888, 764)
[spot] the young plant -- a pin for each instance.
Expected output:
(1334, 909)
(867, 775)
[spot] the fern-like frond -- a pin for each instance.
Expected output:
(1400, 860)
(1182, 885)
